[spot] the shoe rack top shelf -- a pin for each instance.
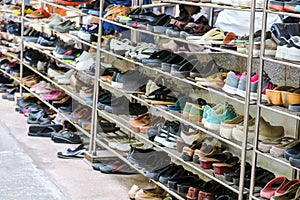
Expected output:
(121, 157)
(279, 160)
(281, 110)
(61, 87)
(173, 153)
(176, 116)
(297, 15)
(282, 62)
(81, 130)
(178, 39)
(211, 5)
(213, 90)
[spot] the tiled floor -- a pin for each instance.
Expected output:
(29, 168)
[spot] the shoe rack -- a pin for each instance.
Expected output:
(263, 106)
(94, 137)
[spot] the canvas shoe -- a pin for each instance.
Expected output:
(216, 117)
(281, 48)
(232, 82)
(293, 49)
(54, 20)
(196, 113)
(86, 64)
(84, 56)
(238, 131)
(207, 108)
(228, 125)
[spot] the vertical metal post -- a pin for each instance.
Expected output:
(22, 45)
(94, 120)
(247, 100)
(258, 108)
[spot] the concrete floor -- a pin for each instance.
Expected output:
(29, 168)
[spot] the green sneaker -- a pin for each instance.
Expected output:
(186, 110)
(216, 117)
(196, 113)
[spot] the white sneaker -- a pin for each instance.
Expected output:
(67, 75)
(52, 73)
(84, 56)
(85, 65)
(84, 36)
(293, 49)
(55, 20)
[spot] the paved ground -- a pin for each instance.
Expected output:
(30, 170)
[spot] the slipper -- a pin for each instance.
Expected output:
(38, 14)
(75, 154)
(96, 166)
(117, 169)
(44, 130)
(269, 190)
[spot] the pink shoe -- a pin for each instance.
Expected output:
(269, 190)
(53, 95)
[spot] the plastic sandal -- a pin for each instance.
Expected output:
(38, 14)
(269, 190)
(44, 130)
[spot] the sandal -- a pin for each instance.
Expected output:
(198, 27)
(39, 117)
(113, 12)
(44, 130)
(38, 14)
(269, 190)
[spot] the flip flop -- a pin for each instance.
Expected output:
(75, 154)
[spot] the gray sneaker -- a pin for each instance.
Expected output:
(241, 90)
(232, 82)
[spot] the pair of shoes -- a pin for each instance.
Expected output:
(44, 130)
(194, 112)
(277, 186)
(66, 136)
(283, 96)
(188, 151)
(287, 49)
(143, 122)
(234, 128)
(167, 134)
(38, 117)
(77, 152)
(290, 153)
(213, 117)
(213, 36)
(148, 159)
(66, 51)
(236, 84)
(154, 193)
